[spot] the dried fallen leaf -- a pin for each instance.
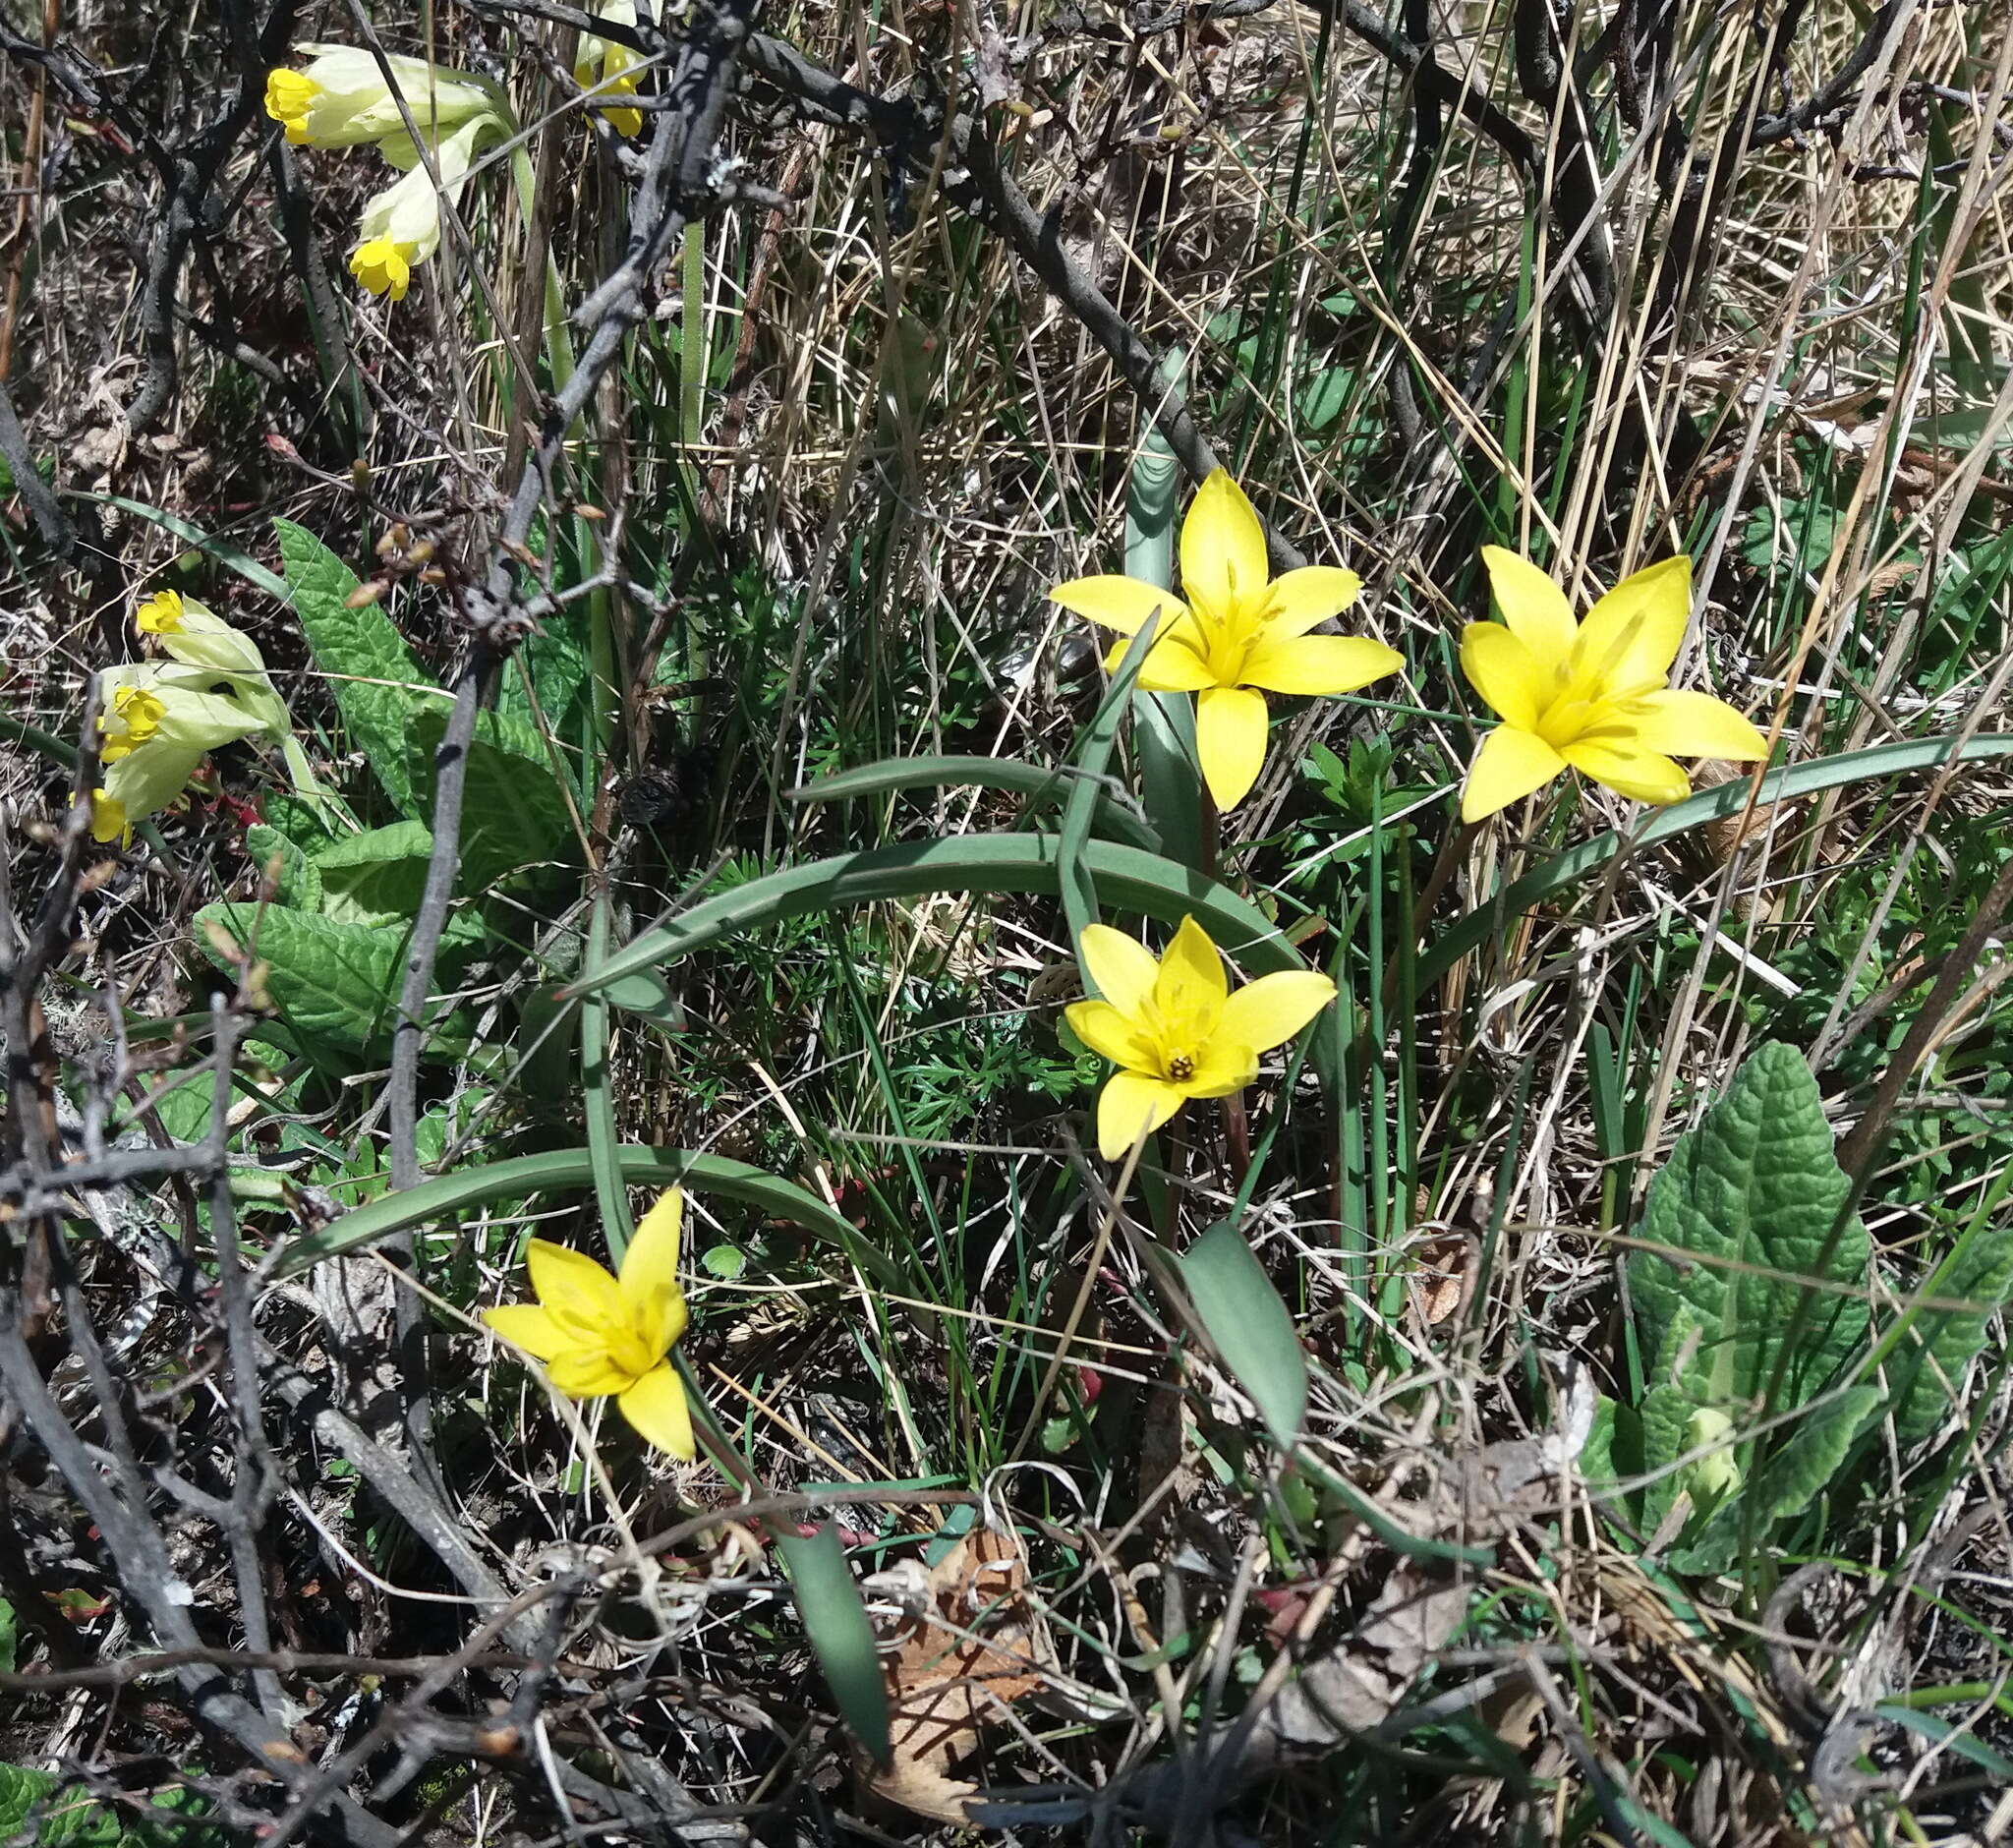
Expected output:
(975, 1644)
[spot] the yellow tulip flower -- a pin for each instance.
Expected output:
(608, 71)
(1590, 696)
(1175, 1029)
(1239, 634)
(598, 1335)
(342, 100)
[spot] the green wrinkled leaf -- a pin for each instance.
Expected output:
(1757, 1191)
(331, 981)
(1806, 1460)
(1932, 1348)
(300, 885)
(513, 812)
(841, 1638)
(1249, 1325)
(71, 1817)
(377, 877)
(361, 651)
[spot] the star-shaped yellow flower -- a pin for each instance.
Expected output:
(1175, 1029)
(599, 1335)
(1590, 696)
(1239, 634)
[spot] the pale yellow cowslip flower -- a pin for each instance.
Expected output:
(1176, 1029)
(207, 650)
(156, 727)
(607, 71)
(598, 1335)
(400, 226)
(1592, 696)
(342, 100)
(1234, 634)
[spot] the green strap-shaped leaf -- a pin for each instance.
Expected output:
(1037, 782)
(1249, 1325)
(836, 1620)
(1128, 880)
(1563, 870)
(572, 1169)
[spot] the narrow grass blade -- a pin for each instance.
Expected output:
(836, 1620)
(1250, 1327)
(1163, 723)
(1128, 880)
(1035, 782)
(556, 1170)
(610, 1194)
(1472, 928)
(1077, 884)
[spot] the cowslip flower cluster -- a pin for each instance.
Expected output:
(599, 1336)
(342, 99)
(1176, 1029)
(1234, 634)
(158, 719)
(1593, 695)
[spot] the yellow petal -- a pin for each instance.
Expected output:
(1189, 993)
(649, 1280)
(1319, 663)
(655, 1406)
(1506, 673)
(1269, 1012)
(1175, 666)
(586, 1300)
(1121, 966)
(1223, 549)
(1224, 1067)
(1109, 1034)
(1629, 769)
(1130, 1106)
(586, 1374)
(1630, 637)
(1230, 739)
(526, 1325)
(1695, 724)
(1123, 603)
(652, 1259)
(1533, 607)
(1511, 764)
(1301, 598)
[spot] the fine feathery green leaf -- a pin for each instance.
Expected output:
(1249, 1325)
(1128, 881)
(841, 1638)
(571, 1169)
(379, 688)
